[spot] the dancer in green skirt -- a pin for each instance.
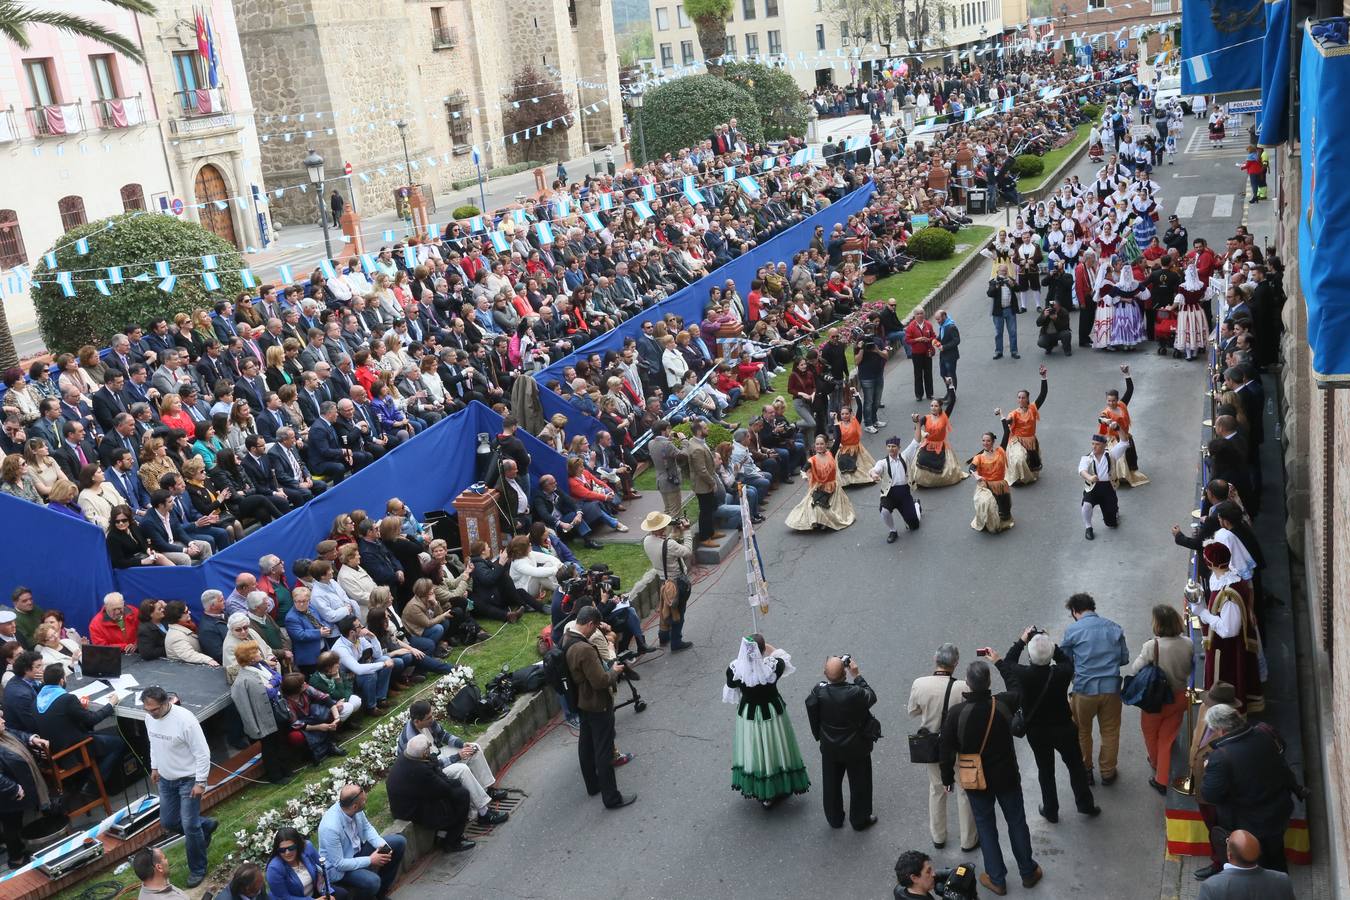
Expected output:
(766, 764)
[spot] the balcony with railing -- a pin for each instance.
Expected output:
(444, 37)
(118, 112)
(201, 102)
(55, 120)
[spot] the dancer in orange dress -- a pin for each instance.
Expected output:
(993, 497)
(1113, 422)
(1024, 448)
(935, 463)
(825, 505)
(854, 462)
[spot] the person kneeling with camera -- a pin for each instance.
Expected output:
(916, 877)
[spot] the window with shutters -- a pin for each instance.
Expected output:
(11, 240)
(133, 197)
(72, 211)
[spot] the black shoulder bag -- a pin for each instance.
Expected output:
(1018, 725)
(924, 745)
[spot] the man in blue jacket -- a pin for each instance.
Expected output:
(358, 857)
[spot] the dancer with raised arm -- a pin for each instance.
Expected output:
(993, 497)
(1023, 446)
(935, 464)
(1113, 422)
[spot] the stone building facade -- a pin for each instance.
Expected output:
(366, 66)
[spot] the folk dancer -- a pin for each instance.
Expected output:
(766, 762)
(1192, 326)
(1127, 316)
(1231, 639)
(993, 498)
(854, 462)
(1029, 259)
(1099, 483)
(1024, 448)
(889, 473)
(1113, 422)
(825, 505)
(935, 463)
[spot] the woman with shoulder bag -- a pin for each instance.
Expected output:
(1171, 651)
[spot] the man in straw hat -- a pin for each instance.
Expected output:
(889, 473)
(669, 547)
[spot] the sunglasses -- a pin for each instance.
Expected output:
(289, 848)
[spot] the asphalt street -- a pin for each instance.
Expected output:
(890, 606)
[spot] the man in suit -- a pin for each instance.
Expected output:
(560, 512)
(197, 409)
(271, 417)
(840, 716)
(341, 381)
(290, 470)
(195, 525)
(48, 423)
(1252, 395)
(75, 409)
(1242, 878)
(250, 385)
(76, 451)
(120, 358)
(515, 502)
(166, 534)
(172, 373)
(326, 453)
(122, 436)
(364, 418)
(211, 368)
(223, 321)
(108, 400)
(121, 474)
(158, 341)
(248, 340)
(1249, 783)
(138, 388)
(310, 397)
(271, 336)
(258, 468)
(314, 351)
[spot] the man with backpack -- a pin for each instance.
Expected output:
(977, 749)
(589, 687)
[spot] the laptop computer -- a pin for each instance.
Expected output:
(100, 662)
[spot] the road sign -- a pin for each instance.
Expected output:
(346, 168)
(176, 206)
(1122, 43)
(1238, 107)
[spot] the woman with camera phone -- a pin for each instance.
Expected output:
(825, 505)
(935, 462)
(993, 497)
(766, 762)
(854, 462)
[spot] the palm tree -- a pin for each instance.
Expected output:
(15, 17)
(710, 21)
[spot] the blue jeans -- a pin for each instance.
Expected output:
(871, 399)
(947, 368)
(109, 750)
(429, 639)
(367, 884)
(181, 812)
(986, 824)
(592, 511)
(1006, 319)
(373, 687)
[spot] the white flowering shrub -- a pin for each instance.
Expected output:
(365, 764)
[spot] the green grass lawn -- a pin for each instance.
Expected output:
(511, 648)
(910, 288)
(1054, 159)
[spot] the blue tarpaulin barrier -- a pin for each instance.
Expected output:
(1274, 127)
(689, 302)
(427, 473)
(62, 560)
(1324, 232)
(1222, 43)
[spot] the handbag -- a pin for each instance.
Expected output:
(924, 745)
(820, 497)
(670, 591)
(970, 766)
(1018, 725)
(1149, 689)
(848, 463)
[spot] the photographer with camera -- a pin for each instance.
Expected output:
(841, 720)
(1049, 723)
(592, 696)
(916, 877)
(670, 548)
(977, 749)
(599, 588)
(1053, 321)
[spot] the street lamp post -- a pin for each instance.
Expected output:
(407, 163)
(314, 168)
(642, 138)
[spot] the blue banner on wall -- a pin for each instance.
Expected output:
(1222, 43)
(1324, 227)
(1274, 127)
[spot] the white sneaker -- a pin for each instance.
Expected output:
(871, 429)
(880, 424)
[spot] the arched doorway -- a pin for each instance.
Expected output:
(209, 188)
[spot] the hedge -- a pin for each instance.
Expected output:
(781, 107)
(1028, 165)
(1092, 110)
(683, 112)
(931, 243)
(717, 434)
(465, 212)
(135, 242)
(499, 172)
